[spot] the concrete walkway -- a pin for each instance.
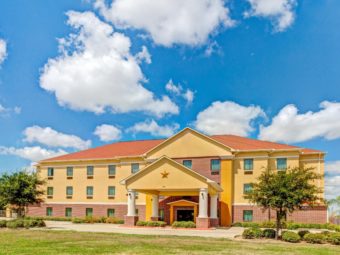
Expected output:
(112, 228)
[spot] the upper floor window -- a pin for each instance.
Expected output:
(281, 163)
(49, 191)
(111, 191)
(247, 187)
(134, 167)
(89, 171)
(248, 164)
(69, 171)
(50, 172)
(112, 170)
(215, 165)
(187, 163)
(89, 191)
(69, 191)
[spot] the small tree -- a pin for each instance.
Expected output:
(20, 189)
(285, 191)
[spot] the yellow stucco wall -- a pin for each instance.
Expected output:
(226, 197)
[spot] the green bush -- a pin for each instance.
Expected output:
(141, 223)
(291, 237)
(183, 224)
(3, 223)
(315, 238)
(269, 233)
(15, 224)
(334, 238)
(268, 224)
(50, 218)
(78, 220)
(251, 233)
(113, 220)
(302, 233)
(156, 224)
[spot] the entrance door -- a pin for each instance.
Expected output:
(185, 215)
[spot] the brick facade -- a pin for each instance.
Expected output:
(79, 210)
(307, 215)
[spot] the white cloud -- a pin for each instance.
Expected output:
(290, 127)
(3, 50)
(6, 111)
(152, 127)
(108, 133)
(96, 71)
(169, 22)
(332, 168)
(228, 118)
(332, 186)
(281, 12)
(53, 138)
(178, 90)
(34, 154)
(144, 55)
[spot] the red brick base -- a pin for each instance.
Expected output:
(214, 222)
(307, 215)
(202, 222)
(130, 221)
(79, 210)
(154, 218)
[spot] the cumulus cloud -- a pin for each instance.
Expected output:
(6, 111)
(332, 168)
(169, 22)
(53, 138)
(228, 118)
(96, 71)
(290, 126)
(34, 154)
(280, 12)
(108, 133)
(332, 186)
(152, 127)
(3, 50)
(178, 90)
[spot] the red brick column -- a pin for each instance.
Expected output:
(130, 221)
(202, 222)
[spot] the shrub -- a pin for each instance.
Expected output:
(334, 238)
(15, 224)
(251, 233)
(291, 237)
(156, 224)
(302, 233)
(269, 233)
(50, 218)
(3, 223)
(237, 224)
(314, 238)
(250, 225)
(183, 224)
(113, 220)
(268, 224)
(141, 223)
(78, 220)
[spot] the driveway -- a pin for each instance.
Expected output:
(112, 228)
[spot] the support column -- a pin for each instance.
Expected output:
(213, 210)
(131, 218)
(202, 221)
(155, 202)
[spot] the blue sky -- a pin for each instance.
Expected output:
(257, 68)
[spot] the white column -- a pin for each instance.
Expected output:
(213, 206)
(154, 206)
(131, 203)
(203, 203)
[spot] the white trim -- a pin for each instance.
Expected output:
(287, 157)
(255, 157)
(93, 203)
(312, 159)
(94, 165)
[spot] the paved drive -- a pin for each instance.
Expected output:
(112, 228)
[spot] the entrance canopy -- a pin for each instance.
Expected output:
(167, 177)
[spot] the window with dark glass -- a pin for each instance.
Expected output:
(49, 211)
(89, 191)
(247, 187)
(281, 163)
(215, 165)
(68, 212)
(69, 191)
(89, 212)
(50, 172)
(248, 215)
(161, 214)
(187, 163)
(69, 171)
(134, 167)
(248, 164)
(89, 170)
(110, 212)
(112, 170)
(111, 191)
(49, 191)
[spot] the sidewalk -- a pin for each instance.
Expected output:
(112, 228)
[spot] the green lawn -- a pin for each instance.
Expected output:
(54, 242)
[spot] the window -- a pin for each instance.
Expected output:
(281, 164)
(68, 212)
(89, 191)
(248, 164)
(49, 191)
(110, 212)
(136, 211)
(248, 215)
(111, 191)
(161, 214)
(187, 163)
(69, 191)
(89, 171)
(215, 165)
(112, 170)
(49, 211)
(50, 172)
(89, 212)
(134, 167)
(247, 187)
(69, 171)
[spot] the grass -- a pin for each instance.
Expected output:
(68, 242)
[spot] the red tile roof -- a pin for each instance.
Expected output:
(137, 148)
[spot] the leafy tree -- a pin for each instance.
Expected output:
(285, 191)
(335, 202)
(20, 189)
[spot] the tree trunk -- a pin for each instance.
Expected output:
(278, 224)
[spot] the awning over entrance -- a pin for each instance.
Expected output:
(169, 178)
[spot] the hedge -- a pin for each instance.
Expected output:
(22, 223)
(251, 233)
(291, 237)
(334, 238)
(269, 233)
(151, 223)
(110, 220)
(183, 224)
(302, 233)
(315, 238)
